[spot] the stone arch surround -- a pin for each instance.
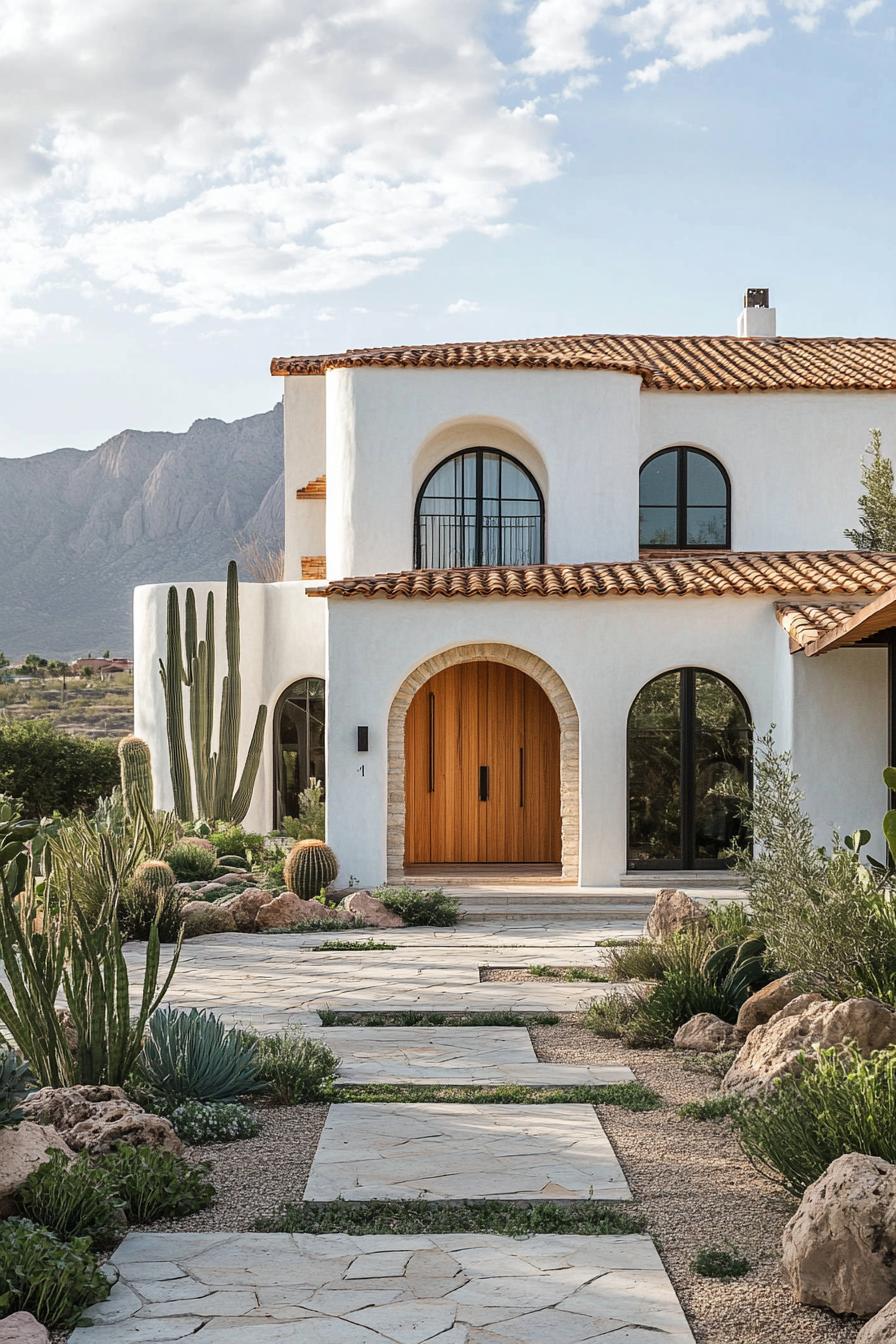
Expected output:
(568, 718)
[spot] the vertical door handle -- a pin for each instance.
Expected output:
(432, 743)
(522, 776)
(483, 783)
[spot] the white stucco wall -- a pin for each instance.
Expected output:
(793, 457)
(304, 459)
(577, 430)
(839, 740)
(604, 650)
(283, 637)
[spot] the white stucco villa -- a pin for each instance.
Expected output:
(538, 590)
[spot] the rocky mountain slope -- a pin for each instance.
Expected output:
(80, 529)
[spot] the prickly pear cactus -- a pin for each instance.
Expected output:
(310, 867)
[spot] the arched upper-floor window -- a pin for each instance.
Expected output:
(685, 501)
(478, 507)
(689, 741)
(299, 721)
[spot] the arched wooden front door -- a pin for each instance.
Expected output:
(482, 769)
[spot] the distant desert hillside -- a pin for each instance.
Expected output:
(80, 529)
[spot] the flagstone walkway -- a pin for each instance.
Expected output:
(278, 1288)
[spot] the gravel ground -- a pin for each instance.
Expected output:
(696, 1189)
(253, 1177)
(521, 974)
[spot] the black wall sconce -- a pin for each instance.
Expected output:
(363, 737)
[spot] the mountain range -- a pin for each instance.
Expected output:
(80, 529)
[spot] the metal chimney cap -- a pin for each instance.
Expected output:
(756, 298)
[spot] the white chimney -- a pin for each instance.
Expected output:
(756, 318)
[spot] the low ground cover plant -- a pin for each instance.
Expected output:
(193, 1056)
(153, 1183)
(332, 1017)
(435, 908)
(73, 1199)
(717, 1107)
(845, 1103)
(362, 945)
(53, 1279)
(590, 974)
(198, 1122)
(710, 1262)
(418, 1217)
(294, 1068)
(631, 1096)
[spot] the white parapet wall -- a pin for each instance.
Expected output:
(282, 637)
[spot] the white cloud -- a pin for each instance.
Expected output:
(558, 32)
(806, 14)
(649, 74)
(218, 159)
(462, 306)
(856, 13)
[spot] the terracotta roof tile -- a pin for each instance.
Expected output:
(721, 574)
(665, 363)
(808, 622)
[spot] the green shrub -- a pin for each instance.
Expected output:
(52, 1279)
(711, 1263)
(433, 908)
(680, 995)
(610, 1015)
(192, 1056)
(73, 1199)
(15, 1084)
(149, 897)
(641, 959)
(295, 1068)
(717, 1107)
(191, 861)
(234, 840)
(153, 1183)
(310, 824)
(52, 771)
(213, 1122)
(845, 1103)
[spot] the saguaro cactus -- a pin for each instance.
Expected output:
(218, 795)
(136, 776)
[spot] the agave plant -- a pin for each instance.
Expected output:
(194, 1056)
(15, 1084)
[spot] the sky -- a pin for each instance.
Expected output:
(190, 187)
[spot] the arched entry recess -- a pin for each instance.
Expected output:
(567, 728)
(299, 723)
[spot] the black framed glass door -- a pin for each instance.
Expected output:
(689, 740)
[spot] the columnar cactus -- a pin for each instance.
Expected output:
(217, 793)
(136, 776)
(310, 867)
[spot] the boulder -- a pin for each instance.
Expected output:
(244, 906)
(881, 1329)
(798, 1031)
(708, 1033)
(839, 1248)
(96, 1117)
(231, 879)
(201, 917)
(290, 911)
(23, 1148)
(212, 890)
(370, 910)
(762, 1005)
(22, 1328)
(672, 910)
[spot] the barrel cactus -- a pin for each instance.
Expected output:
(310, 867)
(136, 776)
(149, 898)
(153, 875)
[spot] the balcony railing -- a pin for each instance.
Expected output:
(451, 541)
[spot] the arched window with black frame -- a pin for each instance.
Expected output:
(689, 752)
(478, 507)
(299, 724)
(684, 501)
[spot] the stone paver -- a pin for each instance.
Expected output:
(465, 1289)
(449, 1152)
(272, 981)
(453, 1055)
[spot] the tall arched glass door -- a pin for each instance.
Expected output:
(689, 739)
(479, 507)
(299, 722)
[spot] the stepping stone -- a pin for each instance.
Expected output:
(454, 1056)
(447, 1152)
(339, 1289)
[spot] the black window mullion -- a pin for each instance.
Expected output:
(688, 705)
(681, 512)
(477, 554)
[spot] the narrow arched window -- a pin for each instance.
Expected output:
(299, 723)
(685, 501)
(479, 507)
(689, 749)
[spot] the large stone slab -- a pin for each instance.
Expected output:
(337, 1289)
(448, 1152)
(454, 1056)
